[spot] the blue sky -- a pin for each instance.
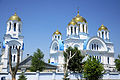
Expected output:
(42, 17)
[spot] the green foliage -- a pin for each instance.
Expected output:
(22, 77)
(37, 61)
(48, 60)
(93, 69)
(75, 64)
(117, 63)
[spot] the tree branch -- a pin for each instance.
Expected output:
(18, 58)
(10, 60)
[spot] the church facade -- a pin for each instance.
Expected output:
(98, 46)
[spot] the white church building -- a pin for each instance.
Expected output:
(77, 35)
(98, 46)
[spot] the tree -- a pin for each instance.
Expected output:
(68, 55)
(37, 61)
(93, 69)
(13, 70)
(48, 60)
(22, 77)
(75, 64)
(117, 63)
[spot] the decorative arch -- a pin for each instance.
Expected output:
(76, 45)
(14, 42)
(54, 46)
(96, 41)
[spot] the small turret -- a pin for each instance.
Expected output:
(57, 35)
(103, 32)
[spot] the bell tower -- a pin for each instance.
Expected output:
(103, 33)
(13, 37)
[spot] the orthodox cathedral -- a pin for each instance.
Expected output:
(98, 46)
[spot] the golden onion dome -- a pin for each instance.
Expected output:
(15, 17)
(57, 33)
(72, 22)
(79, 18)
(102, 27)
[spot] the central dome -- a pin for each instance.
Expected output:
(79, 18)
(15, 17)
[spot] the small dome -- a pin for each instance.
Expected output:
(15, 17)
(102, 27)
(79, 18)
(57, 33)
(72, 22)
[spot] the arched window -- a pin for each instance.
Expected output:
(19, 28)
(14, 26)
(100, 58)
(55, 36)
(58, 37)
(75, 29)
(10, 26)
(106, 34)
(11, 57)
(97, 57)
(56, 48)
(13, 47)
(83, 27)
(92, 46)
(99, 34)
(102, 34)
(97, 47)
(108, 60)
(14, 58)
(71, 30)
(79, 27)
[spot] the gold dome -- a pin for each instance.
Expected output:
(79, 18)
(15, 17)
(57, 33)
(72, 22)
(102, 27)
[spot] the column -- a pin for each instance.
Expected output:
(81, 28)
(37, 75)
(107, 35)
(60, 37)
(85, 28)
(8, 26)
(5, 59)
(69, 30)
(104, 35)
(73, 30)
(100, 34)
(77, 30)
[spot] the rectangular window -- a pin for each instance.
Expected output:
(14, 26)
